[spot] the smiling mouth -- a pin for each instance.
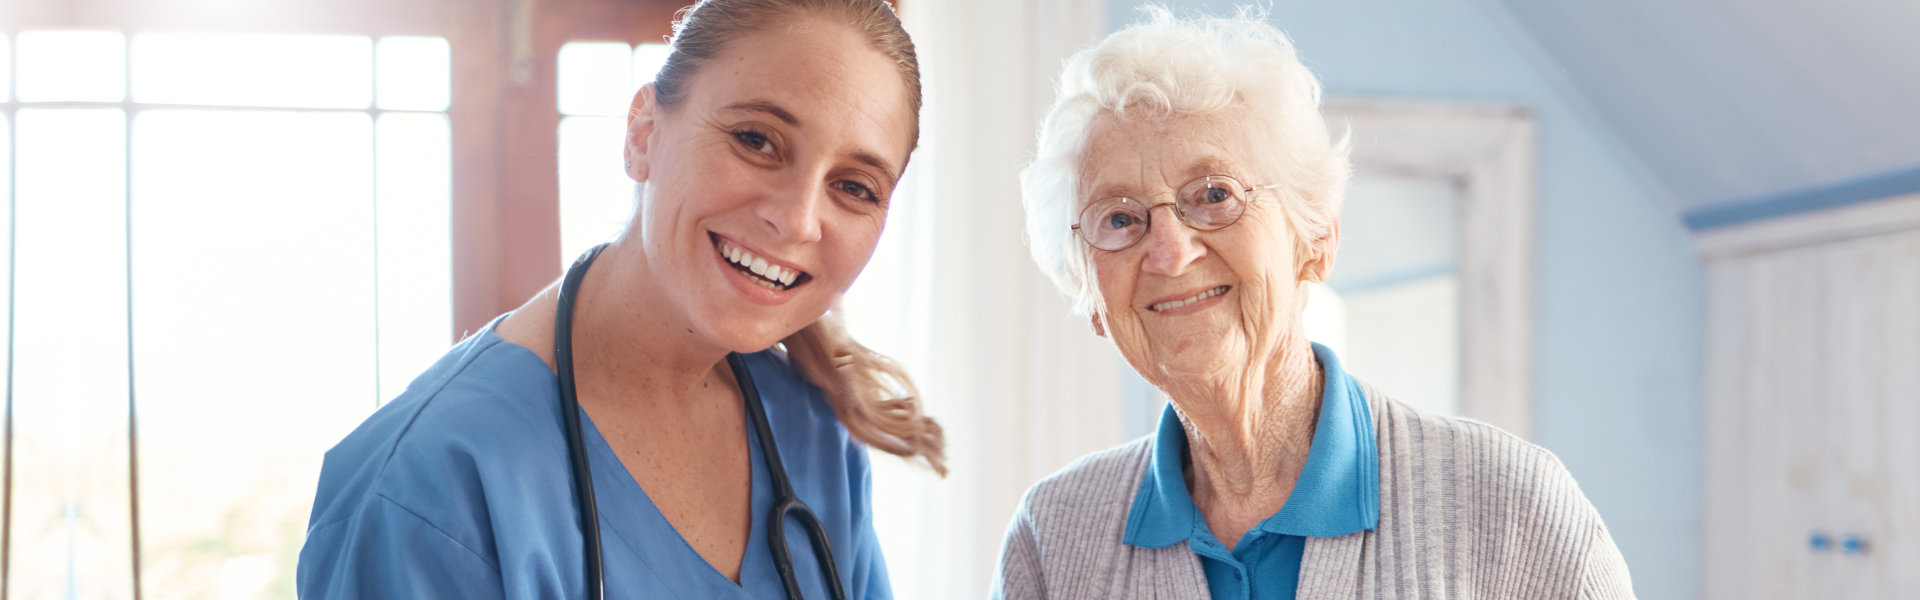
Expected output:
(757, 268)
(1172, 304)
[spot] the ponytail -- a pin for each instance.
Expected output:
(870, 393)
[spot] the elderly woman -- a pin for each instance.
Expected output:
(1185, 192)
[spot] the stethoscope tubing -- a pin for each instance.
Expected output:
(785, 503)
(570, 414)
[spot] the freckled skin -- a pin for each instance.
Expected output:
(1241, 373)
(846, 101)
(657, 313)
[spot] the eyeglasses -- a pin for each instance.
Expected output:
(1208, 203)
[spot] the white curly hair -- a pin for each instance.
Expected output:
(1163, 66)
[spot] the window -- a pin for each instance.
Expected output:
(1391, 310)
(596, 82)
(227, 249)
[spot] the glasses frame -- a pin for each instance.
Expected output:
(1181, 215)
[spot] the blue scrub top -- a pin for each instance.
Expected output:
(461, 488)
(1338, 493)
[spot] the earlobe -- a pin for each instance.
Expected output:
(641, 118)
(1099, 328)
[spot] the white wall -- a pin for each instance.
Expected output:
(1619, 298)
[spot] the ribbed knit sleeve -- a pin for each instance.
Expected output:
(1606, 574)
(1019, 577)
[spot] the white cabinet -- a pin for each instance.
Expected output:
(1813, 417)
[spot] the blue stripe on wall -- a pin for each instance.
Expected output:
(1854, 191)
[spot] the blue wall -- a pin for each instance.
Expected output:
(1619, 292)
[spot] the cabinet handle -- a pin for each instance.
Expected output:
(1819, 541)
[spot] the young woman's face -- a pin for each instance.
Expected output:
(767, 185)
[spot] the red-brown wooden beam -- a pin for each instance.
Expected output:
(514, 227)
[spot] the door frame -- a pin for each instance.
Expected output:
(1488, 151)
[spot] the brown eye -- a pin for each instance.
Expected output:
(754, 141)
(858, 191)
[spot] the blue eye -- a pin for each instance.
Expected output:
(1120, 220)
(754, 140)
(1216, 195)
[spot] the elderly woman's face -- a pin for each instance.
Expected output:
(1183, 303)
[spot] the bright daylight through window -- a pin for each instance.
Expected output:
(227, 250)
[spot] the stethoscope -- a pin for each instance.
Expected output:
(785, 503)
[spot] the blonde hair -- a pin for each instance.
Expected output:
(870, 393)
(1162, 67)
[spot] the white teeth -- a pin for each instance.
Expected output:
(768, 272)
(1196, 298)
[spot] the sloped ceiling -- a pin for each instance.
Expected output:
(1743, 103)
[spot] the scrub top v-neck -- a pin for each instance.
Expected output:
(460, 488)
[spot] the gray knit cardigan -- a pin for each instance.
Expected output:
(1466, 511)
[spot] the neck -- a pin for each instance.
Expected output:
(628, 347)
(1248, 442)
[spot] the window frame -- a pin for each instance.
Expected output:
(503, 115)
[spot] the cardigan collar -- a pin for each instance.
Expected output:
(1338, 492)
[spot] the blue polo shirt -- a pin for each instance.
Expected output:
(1338, 494)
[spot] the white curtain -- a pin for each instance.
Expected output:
(1021, 386)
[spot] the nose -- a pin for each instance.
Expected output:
(793, 213)
(1172, 246)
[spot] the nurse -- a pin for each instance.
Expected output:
(767, 151)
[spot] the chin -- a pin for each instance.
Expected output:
(1197, 357)
(738, 333)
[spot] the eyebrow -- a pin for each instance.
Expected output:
(867, 158)
(876, 162)
(1207, 164)
(763, 106)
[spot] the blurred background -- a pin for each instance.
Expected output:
(1676, 243)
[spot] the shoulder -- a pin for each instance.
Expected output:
(481, 408)
(1070, 529)
(1431, 449)
(1511, 503)
(1097, 488)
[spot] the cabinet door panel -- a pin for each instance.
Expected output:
(1797, 446)
(1729, 513)
(1813, 404)
(1852, 493)
(1897, 548)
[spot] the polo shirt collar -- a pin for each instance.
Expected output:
(1338, 492)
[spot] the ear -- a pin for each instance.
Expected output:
(1099, 328)
(1319, 263)
(641, 118)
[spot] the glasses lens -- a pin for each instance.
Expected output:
(1212, 202)
(1113, 223)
